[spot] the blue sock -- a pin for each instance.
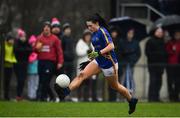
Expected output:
(67, 91)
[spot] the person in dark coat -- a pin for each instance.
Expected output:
(173, 76)
(68, 46)
(129, 49)
(22, 50)
(56, 30)
(156, 58)
(129, 54)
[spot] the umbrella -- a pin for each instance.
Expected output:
(168, 23)
(126, 23)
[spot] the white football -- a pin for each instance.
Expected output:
(63, 80)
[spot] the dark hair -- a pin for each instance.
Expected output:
(114, 29)
(97, 18)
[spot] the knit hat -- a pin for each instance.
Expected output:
(66, 25)
(9, 36)
(46, 23)
(32, 39)
(21, 32)
(87, 31)
(55, 22)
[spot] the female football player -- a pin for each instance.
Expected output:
(102, 59)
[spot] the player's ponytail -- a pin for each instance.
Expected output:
(97, 18)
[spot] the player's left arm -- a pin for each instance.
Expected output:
(109, 43)
(108, 48)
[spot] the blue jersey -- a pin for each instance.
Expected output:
(100, 40)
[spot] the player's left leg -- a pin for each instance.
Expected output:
(113, 82)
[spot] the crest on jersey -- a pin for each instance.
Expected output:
(97, 39)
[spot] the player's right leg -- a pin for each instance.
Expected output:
(91, 69)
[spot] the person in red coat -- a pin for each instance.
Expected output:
(50, 56)
(173, 75)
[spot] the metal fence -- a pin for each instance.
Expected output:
(141, 77)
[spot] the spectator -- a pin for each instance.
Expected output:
(116, 39)
(89, 87)
(9, 61)
(22, 51)
(173, 76)
(115, 33)
(33, 79)
(156, 58)
(55, 24)
(50, 58)
(129, 49)
(68, 48)
(56, 30)
(129, 54)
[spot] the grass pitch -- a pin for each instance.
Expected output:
(86, 109)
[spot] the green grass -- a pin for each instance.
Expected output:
(86, 109)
